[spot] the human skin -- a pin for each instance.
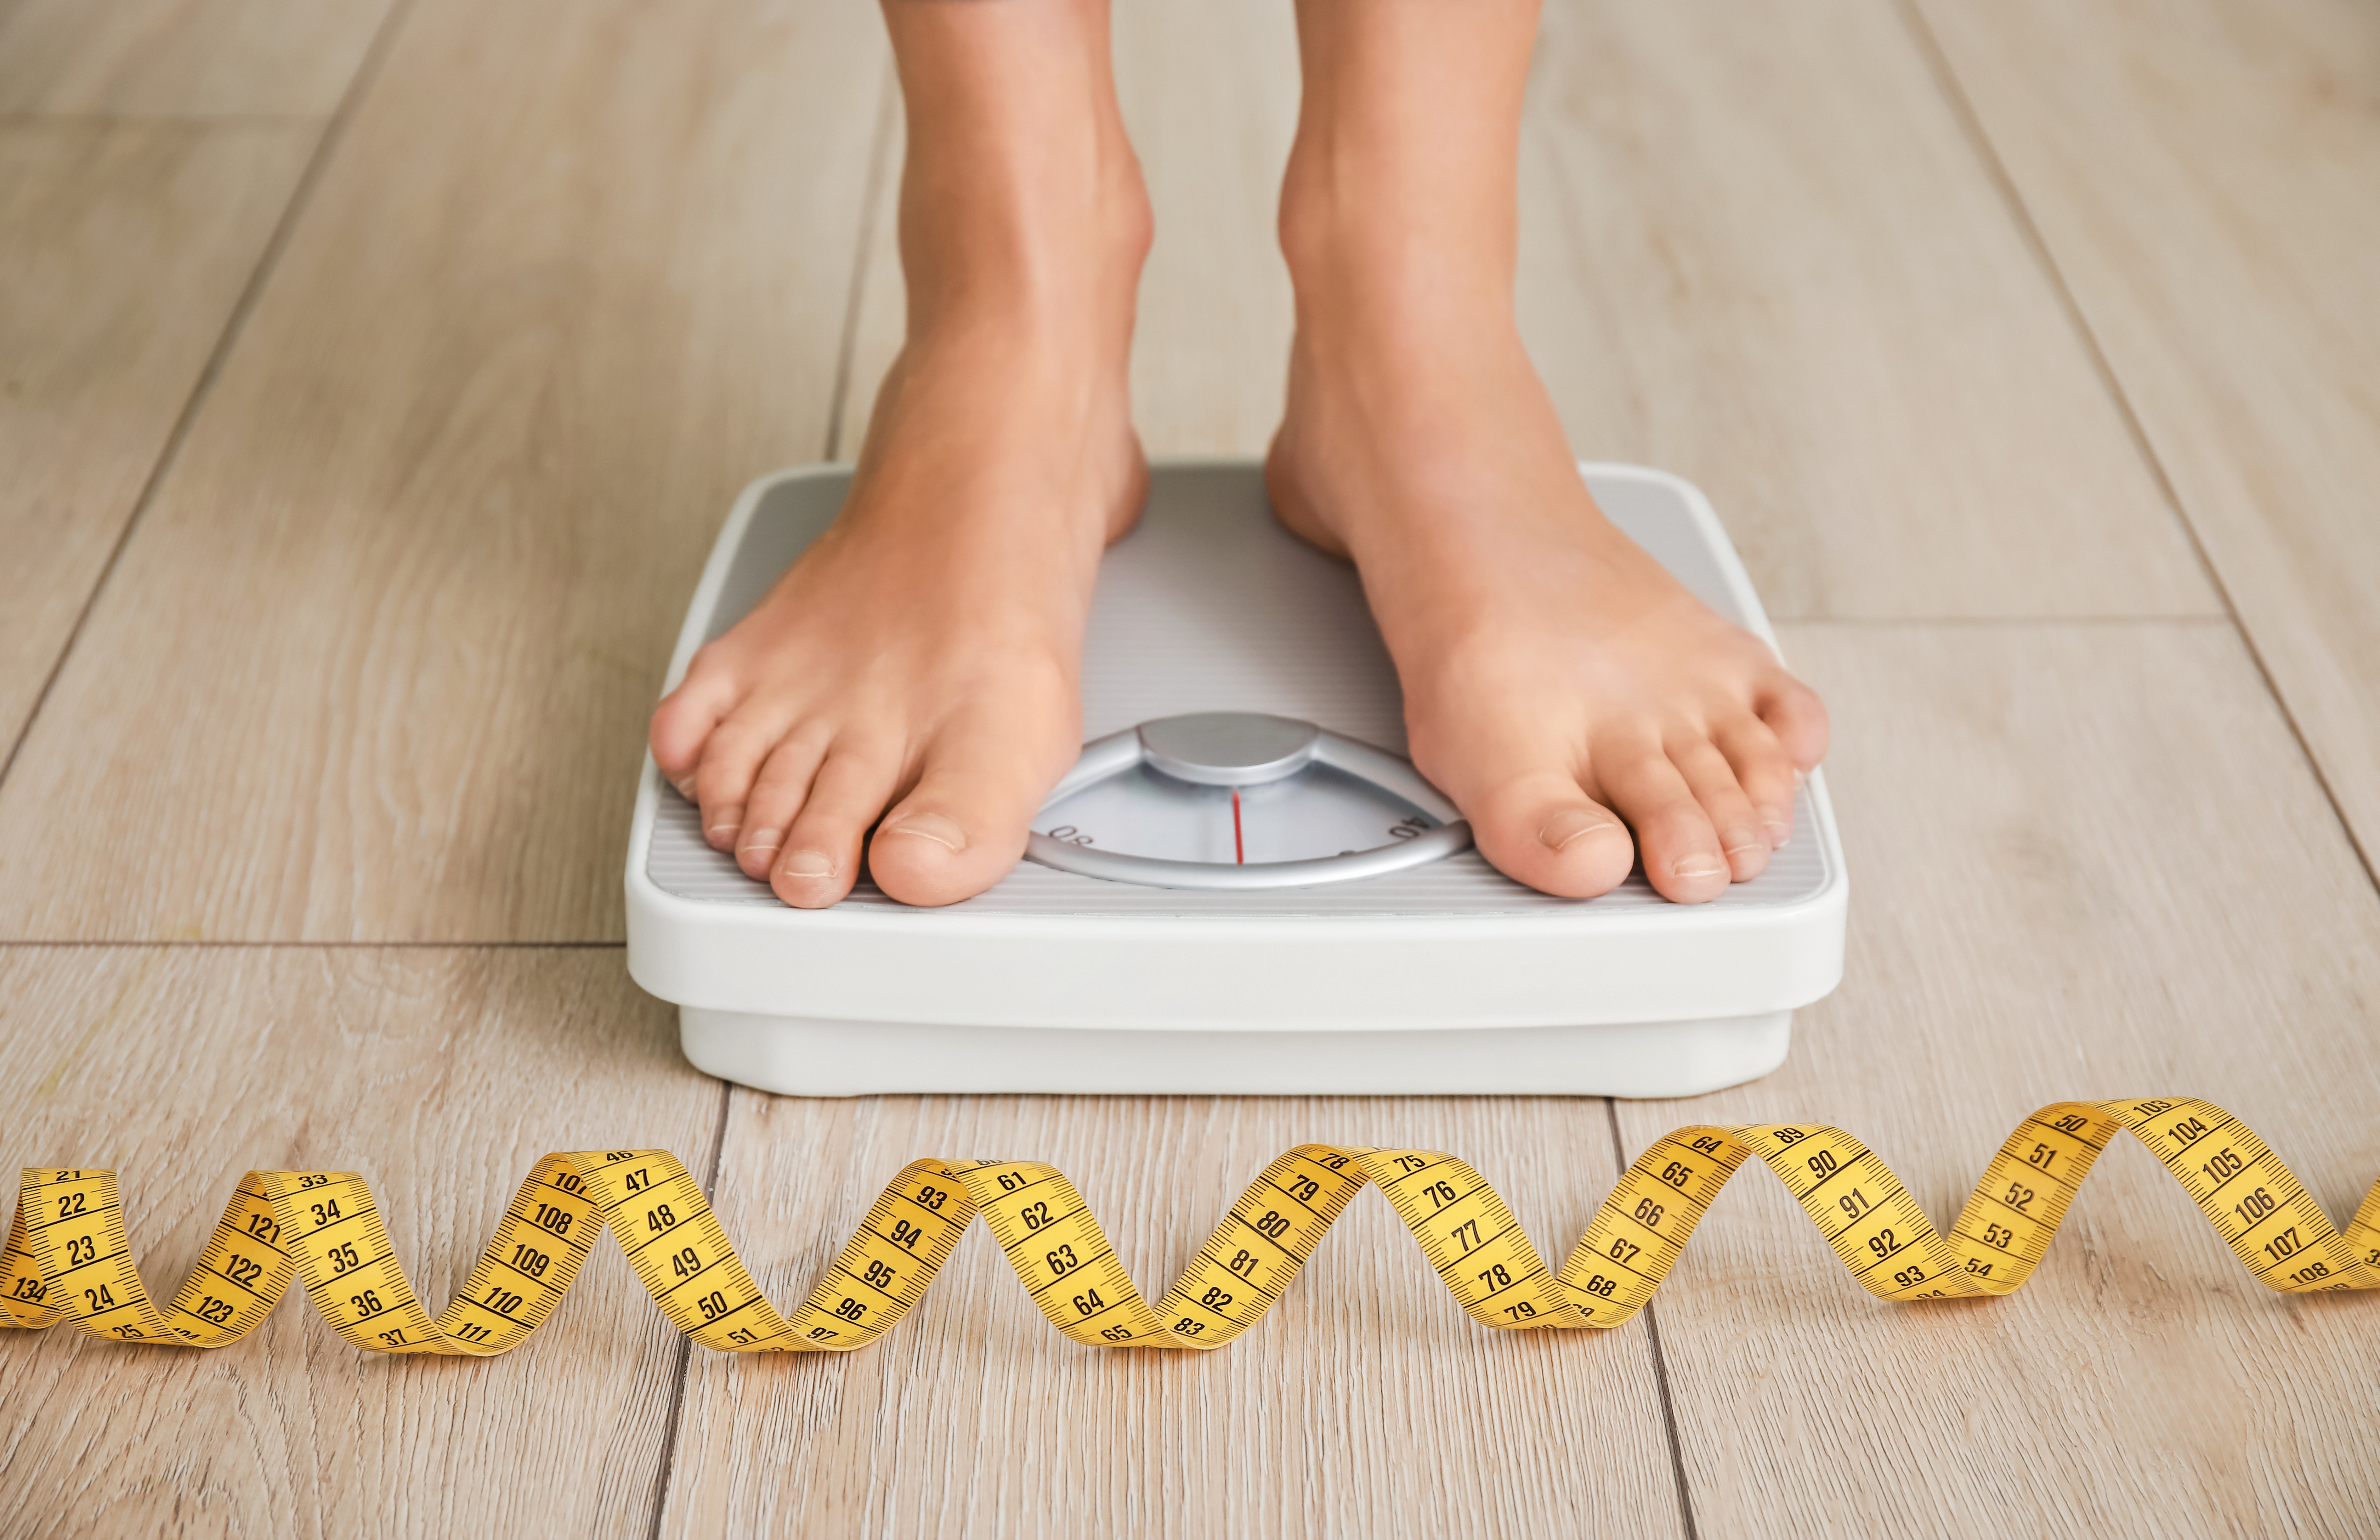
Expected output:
(916, 671)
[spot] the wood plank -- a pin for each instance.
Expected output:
(1759, 250)
(390, 632)
(442, 1076)
(1366, 1404)
(182, 58)
(1209, 96)
(879, 315)
(2088, 861)
(2203, 173)
(125, 247)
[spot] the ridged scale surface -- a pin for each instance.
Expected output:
(1209, 605)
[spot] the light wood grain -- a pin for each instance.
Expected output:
(1209, 96)
(123, 249)
(442, 1076)
(1759, 251)
(1367, 1403)
(2204, 173)
(390, 633)
(878, 318)
(182, 59)
(2088, 862)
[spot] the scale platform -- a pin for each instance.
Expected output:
(1441, 976)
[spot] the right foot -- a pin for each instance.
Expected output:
(916, 670)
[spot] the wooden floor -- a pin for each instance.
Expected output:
(373, 374)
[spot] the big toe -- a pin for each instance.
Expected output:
(1542, 829)
(963, 827)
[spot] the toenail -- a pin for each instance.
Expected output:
(930, 826)
(1567, 827)
(806, 862)
(1747, 844)
(1779, 834)
(765, 839)
(1691, 867)
(684, 788)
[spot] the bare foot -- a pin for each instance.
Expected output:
(919, 664)
(1555, 675)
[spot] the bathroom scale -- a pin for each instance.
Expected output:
(1243, 887)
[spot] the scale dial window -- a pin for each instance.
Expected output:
(1241, 801)
(1318, 813)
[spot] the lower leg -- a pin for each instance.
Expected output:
(1554, 675)
(918, 665)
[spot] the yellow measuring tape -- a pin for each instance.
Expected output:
(68, 1255)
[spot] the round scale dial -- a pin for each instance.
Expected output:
(1238, 800)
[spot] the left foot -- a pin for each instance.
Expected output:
(1558, 683)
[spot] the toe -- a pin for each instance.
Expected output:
(1682, 859)
(682, 722)
(776, 798)
(1540, 828)
(962, 826)
(732, 757)
(1764, 772)
(1712, 780)
(820, 858)
(1794, 713)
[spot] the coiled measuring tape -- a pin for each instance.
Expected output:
(68, 1255)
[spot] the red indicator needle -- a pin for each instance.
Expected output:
(1239, 846)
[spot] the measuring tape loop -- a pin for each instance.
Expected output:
(68, 1255)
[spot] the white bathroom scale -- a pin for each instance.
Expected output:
(1243, 888)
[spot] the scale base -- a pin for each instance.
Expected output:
(1426, 981)
(805, 1056)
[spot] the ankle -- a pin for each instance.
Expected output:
(1054, 242)
(1374, 253)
